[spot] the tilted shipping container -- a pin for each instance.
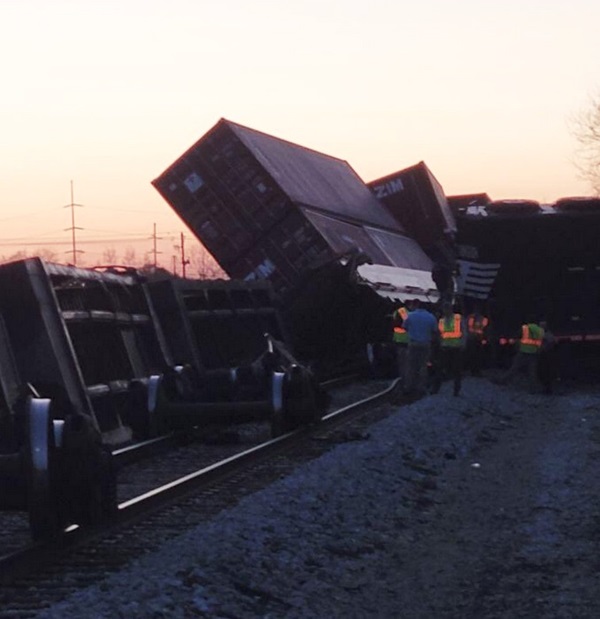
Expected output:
(266, 208)
(417, 201)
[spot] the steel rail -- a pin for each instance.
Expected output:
(20, 563)
(145, 449)
(138, 451)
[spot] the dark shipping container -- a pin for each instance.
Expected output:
(417, 201)
(269, 209)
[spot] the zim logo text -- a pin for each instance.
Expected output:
(389, 188)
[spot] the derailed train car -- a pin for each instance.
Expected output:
(269, 209)
(230, 349)
(526, 261)
(86, 367)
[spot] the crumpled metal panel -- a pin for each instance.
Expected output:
(398, 283)
(343, 237)
(381, 246)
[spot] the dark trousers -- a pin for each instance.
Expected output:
(415, 377)
(523, 361)
(547, 369)
(401, 353)
(474, 356)
(449, 365)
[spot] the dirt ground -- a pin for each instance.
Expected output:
(482, 506)
(514, 530)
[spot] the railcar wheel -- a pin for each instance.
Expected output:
(301, 398)
(278, 426)
(40, 470)
(88, 478)
(299, 401)
(155, 423)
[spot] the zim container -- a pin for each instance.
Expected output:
(269, 209)
(306, 240)
(417, 200)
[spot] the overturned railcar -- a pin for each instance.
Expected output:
(85, 367)
(82, 344)
(233, 360)
(458, 204)
(527, 261)
(216, 324)
(86, 339)
(268, 209)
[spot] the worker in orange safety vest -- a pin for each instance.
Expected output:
(452, 345)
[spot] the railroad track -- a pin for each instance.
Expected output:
(41, 574)
(171, 456)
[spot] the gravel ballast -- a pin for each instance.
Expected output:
(482, 505)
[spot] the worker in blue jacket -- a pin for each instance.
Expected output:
(422, 328)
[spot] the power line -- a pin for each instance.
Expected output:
(22, 215)
(124, 210)
(133, 237)
(73, 226)
(80, 241)
(155, 252)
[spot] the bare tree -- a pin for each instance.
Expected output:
(45, 254)
(129, 257)
(48, 255)
(204, 265)
(20, 255)
(109, 256)
(586, 129)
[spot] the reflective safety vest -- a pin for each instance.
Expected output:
(477, 325)
(400, 334)
(531, 338)
(451, 331)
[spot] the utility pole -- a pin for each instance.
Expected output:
(73, 227)
(184, 262)
(155, 252)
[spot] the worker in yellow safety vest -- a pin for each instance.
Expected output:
(452, 345)
(477, 329)
(529, 344)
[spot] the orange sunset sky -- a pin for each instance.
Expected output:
(108, 94)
